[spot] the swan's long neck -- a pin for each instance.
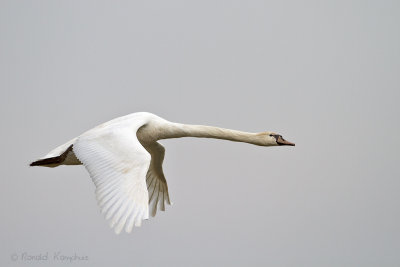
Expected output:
(177, 130)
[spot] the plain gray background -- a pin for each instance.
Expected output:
(324, 74)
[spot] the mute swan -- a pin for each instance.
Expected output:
(124, 160)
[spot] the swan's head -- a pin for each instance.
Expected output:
(274, 139)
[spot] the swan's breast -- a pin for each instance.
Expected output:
(148, 134)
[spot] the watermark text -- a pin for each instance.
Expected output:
(54, 256)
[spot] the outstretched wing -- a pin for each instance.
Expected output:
(117, 164)
(156, 182)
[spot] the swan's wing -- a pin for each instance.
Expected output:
(117, 164)
(156, 182)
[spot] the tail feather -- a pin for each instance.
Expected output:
(53, 160)
(48, 161)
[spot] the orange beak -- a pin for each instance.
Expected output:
(283, 142)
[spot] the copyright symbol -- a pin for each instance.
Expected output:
(14, 257)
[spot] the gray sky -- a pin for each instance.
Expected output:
(324, 74)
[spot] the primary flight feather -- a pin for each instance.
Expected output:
(124, 160)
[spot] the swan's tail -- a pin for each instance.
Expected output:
(52, 161)
(49, 162)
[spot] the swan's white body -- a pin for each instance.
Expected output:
(124, 161)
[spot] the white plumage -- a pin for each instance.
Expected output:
(124, 160)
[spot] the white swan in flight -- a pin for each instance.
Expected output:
(125, 160)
